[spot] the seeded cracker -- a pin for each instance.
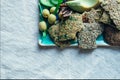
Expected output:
(112, 36)
(105, 18)
(91, 30)
(54, 31)
(92, 16)
(87, 37)
(70, 27)
(113, 9)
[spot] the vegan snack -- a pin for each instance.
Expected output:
(92, 16)
(70, 27)
(111, 35)
(113, 9)
(45, 13)
(105, 18)
(91, 30)
(43, 26)
(51, 19)
(52, 10)
(83, 22)
(65, 12)
(87, 37)
(54, 32)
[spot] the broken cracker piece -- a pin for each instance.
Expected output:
(70, 27)
(113, 8)
(87, 37)
(111, 36)
(54, 31)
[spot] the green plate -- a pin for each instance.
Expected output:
(46, 41)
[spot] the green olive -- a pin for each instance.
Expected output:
(43, 26)
(60, 16)
(45, 13)
(52, 10)
(52, 19)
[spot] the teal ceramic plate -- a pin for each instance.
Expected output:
(47, 41)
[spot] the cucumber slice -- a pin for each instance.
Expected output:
(46, 3)
(55, 2)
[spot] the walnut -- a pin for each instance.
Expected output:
(65, 12)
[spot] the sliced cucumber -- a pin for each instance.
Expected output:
(55, 2)
(46, 3)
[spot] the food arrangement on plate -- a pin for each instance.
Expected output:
(83, 23)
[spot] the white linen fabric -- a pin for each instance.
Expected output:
(22, 58)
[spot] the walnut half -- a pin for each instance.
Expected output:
(64, 13)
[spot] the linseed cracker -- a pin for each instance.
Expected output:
(111, 36)
(69, 28)
(54, 32)
(91, 30)
(113, 9)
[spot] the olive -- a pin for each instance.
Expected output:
(45, 13)
(43, 26)
(60, 16)
(52, 18)
(52, 10)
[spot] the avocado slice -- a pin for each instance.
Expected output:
(46, 3)
(82, 5)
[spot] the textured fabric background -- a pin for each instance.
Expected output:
(21, 57)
